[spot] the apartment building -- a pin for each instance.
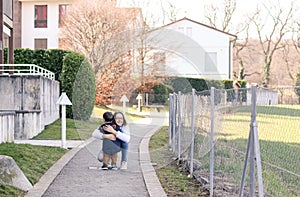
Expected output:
(38, 22)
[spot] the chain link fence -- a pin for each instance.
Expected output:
(215, 134)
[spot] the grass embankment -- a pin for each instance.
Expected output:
(34, 161)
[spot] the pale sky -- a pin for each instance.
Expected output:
(194, 9)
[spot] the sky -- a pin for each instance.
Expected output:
(195, 9)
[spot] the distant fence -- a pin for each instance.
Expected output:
(239, 142)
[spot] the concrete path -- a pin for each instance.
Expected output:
(71, 175)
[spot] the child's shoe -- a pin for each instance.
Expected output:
(104, 168)
(123, 165)
(114, 168)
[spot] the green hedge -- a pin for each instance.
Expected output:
(186, 85)
(78, 81)
(160, 92)
(71, 69)
(50, 59)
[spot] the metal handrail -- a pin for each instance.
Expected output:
(25, 69)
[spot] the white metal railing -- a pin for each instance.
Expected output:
(25, 69)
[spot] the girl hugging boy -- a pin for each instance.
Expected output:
(115, 135)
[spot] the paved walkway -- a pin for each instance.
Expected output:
(71, 176)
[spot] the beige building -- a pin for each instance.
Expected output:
(38, 22)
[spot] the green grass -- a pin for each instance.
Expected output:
(34, 161)
(278, 131)
(75, 130)
(173, 178)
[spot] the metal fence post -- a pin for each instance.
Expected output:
(170, 119)
(253, 147)
(179, 125)
(256, 148)
(174, 122)
(192, 135)
(212, 141)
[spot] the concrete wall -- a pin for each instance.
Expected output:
(32, 99)
(28, 124)
(7, 126)
(264, 97)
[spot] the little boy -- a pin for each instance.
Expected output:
(110, 148)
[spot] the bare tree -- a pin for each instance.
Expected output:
(90, 27)
(169, 11)
(278, 23)
(148, 62)
(102, 32)
(221, 15)
(240, 46)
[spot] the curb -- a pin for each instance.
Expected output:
(151, 180)
(42, 185)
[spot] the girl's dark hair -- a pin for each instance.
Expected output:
(124, 120)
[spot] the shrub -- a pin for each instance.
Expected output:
(161, 93)
(78, 81)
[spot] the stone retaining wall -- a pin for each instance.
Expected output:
(28, 103)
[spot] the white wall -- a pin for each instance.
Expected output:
(190, 42)
(29, 33)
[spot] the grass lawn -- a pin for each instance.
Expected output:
(34, 161)
(75, 129)
(278, 131)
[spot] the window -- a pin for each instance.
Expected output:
(210, 62)
(181, 30)
(189, 31)
(62, 12)
(160, 58)
(40, 43)
(8, 8)
(40, 16)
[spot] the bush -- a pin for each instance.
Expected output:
(71, 69)
(161, 94)
(78, 81)
(56, 63)
(297, 88)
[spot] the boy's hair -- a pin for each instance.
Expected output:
(108, 116)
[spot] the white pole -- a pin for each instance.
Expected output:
(139, 105)
(147, 99)
(124, 107)
(192, 134)
(63, 126)
(212, 140)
